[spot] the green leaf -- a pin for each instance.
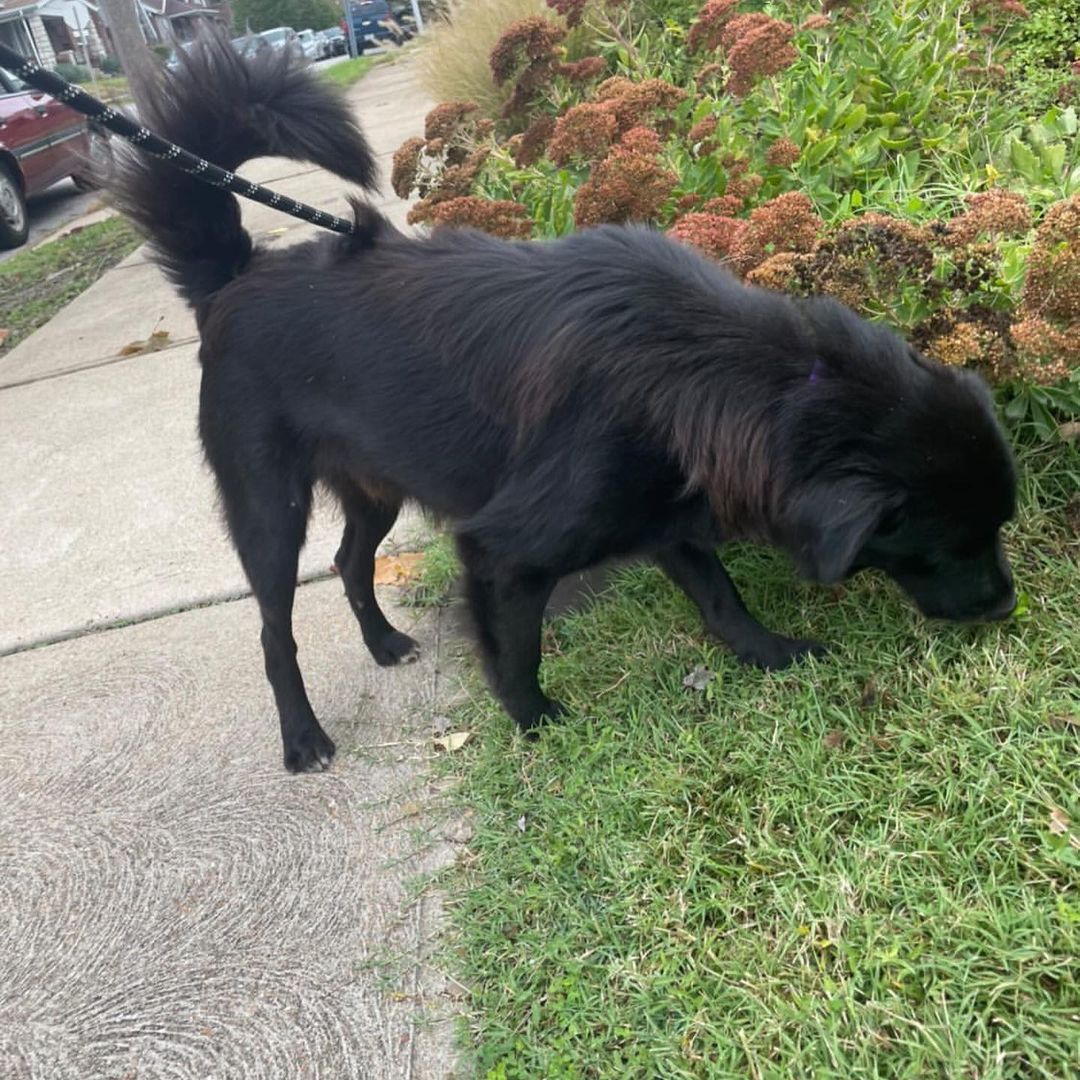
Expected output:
(854, 118)
(820, 150)
(1053, 157)
(1024, 160)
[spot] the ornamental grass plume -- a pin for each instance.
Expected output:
(629, 184)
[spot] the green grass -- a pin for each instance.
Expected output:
(36, 284)
(349, 71)
(845, 870)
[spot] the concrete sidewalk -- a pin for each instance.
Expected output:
(172, 903)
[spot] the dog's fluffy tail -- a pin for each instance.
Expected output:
(228, 109)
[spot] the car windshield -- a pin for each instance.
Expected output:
(276, 35)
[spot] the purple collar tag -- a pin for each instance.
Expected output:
(817, 371)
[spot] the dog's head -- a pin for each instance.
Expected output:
(914, 479)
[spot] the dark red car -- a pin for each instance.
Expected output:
(41, 141)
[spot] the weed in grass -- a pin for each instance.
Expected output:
(846, 870)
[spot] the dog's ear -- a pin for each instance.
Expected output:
(830, 523)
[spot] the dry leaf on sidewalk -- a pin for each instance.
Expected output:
(454, 741)
(4, 334)
(397, 569)
(154, 343)
(1059, 822)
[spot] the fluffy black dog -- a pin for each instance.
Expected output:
(605, 394)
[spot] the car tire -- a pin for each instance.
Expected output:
(14, 223)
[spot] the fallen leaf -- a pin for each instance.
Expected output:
(1070, 430)
(154, 343)
(1059, 822)
(835, 739)
(698, 679)
(454, 741)
(397, 569)
(4, 335)
(410, 809)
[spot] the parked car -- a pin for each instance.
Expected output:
(310, 44)
(282, 38)
(336, 45)
(41, 141)
(371, 20)
(249, 44)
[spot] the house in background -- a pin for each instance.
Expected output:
(55, 31)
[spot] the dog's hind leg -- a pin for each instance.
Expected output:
(366, 523)
(508, 607)
(701, 575)
(267, 512)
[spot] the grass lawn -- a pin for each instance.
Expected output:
(349, 71)
(36, 284)
(864, 867)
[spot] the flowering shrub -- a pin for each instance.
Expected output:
(865, 150)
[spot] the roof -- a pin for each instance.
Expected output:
(17, 7)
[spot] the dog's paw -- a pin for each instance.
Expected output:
(311, 751)
(531, 727)
(395, 648)
(777, 652)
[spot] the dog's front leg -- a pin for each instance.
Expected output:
(701, 575)
(507, 608)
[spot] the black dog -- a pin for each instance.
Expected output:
(609, 393)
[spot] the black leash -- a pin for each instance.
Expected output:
(31, 72)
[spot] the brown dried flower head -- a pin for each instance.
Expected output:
(583, 70)
(714, 234)
(783, 153)
(778, 272)
(504, 218)
(757, 46)
(532, 143)
(583, 133)
(445, 119)
(630, 184)
(1052, 286)
(570, 10)
(995, 213)
(704, 34)
(406, 163)
(786, 223)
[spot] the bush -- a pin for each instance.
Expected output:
(73, 73)
(872, 151)
(111, 66)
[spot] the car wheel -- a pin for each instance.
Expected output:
(14, 224)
